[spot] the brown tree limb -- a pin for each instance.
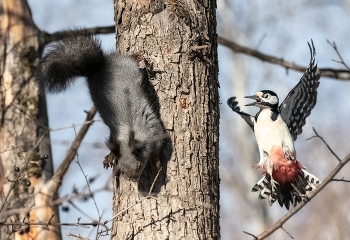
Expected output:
(330, 178)
(340, 180)
(329, 148)
(279, 223)
(339, 74)
(56, 180)
(52, 224)
(68, 198)
(48, 38)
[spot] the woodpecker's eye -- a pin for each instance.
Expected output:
(266, 95)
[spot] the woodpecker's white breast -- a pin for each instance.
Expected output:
(271, 134)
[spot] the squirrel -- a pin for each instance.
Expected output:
(115, 85)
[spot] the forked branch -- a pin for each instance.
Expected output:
(340, 74)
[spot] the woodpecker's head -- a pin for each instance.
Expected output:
(264, 99)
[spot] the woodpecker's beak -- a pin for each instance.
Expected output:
(255, 97)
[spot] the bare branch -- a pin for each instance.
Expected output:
(85, 225)
(340, 180)
(74, 125)
(33, 119)
(56, 36)
(329, 148)
(255, 237)
(56, 179)
(92, 196)
(49, 222)
(279, 223)
(19, 175)
(326, 72)
(334, 46)
(339, 74)
(56, 202)
(7, 237)
(287, 232)
(76, 237)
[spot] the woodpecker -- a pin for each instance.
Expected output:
(276, 128)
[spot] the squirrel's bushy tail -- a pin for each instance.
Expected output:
(78, 53)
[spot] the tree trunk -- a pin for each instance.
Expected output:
(178, 41)
(24, 140)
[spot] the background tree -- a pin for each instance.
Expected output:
(24, 144)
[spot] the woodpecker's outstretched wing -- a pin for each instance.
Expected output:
(233, 104)
(301, 100)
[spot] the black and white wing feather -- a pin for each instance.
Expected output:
(301, 100)
(233, 104)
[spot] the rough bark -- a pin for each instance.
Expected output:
(20, 149)
(178, 41)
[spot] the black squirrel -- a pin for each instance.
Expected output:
(115, 84)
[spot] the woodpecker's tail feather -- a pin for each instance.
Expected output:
(77, 53)
(286, 193)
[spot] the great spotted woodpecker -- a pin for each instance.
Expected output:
(276, 128)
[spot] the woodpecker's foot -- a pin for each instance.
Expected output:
(109, 161)
(274, 184)
(305, 198)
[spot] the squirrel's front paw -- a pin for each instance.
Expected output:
(109, 161)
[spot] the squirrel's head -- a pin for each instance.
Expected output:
(131, 155)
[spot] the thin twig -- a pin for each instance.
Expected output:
(76, 237)
(255, 237)
(154, 181)
(89, 189)
(329, 148)
(93, 31)
(33, 119)
(79, 210)
(92, 196)
(334, 46)
(340, 180)
(8, 235)
(51, 224)
(340, 74)
(296, 209)
(56, 202)
(260, 41)
(74, 125)
(287, 232)
(62, 169)
(21, 172)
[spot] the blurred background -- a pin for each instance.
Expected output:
(278, 28)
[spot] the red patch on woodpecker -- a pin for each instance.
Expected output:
(284, 170)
